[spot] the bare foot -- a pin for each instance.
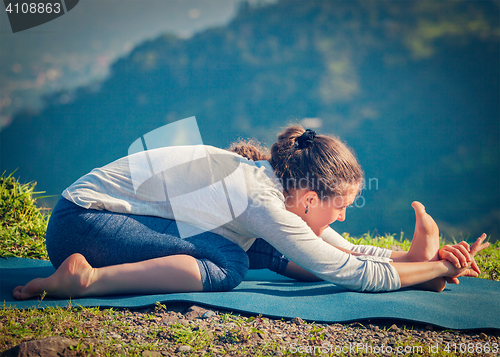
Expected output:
(70, 280)
(425, 243)
(425, 246)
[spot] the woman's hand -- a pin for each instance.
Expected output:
(458, 254)
(461, 256)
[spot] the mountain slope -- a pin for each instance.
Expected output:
(413, 87)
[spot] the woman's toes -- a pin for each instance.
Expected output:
(418, 207)
(17, 293)
(34, 288)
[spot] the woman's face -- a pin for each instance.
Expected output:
(321, 213)
(327, 212)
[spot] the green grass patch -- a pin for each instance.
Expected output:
(488, 261)
(388, 241)
(22, 223)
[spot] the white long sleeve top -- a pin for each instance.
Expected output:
(209, 189)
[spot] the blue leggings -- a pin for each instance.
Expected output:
(106, 238)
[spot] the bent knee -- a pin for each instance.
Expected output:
(217, 278)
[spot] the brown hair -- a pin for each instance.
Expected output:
(251, 149)
(326, 166)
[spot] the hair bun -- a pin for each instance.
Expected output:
(306, 139)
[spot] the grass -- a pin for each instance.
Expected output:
(22, 223)
(106, 332)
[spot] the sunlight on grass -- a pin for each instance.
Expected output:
(22, 223)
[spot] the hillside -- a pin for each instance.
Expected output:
(412, 86)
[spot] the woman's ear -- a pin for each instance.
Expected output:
(310, 199)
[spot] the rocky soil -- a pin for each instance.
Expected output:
(195, 331)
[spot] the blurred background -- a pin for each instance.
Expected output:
(412, 86)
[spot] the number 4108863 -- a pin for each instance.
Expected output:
(34, 8)
(477, 347)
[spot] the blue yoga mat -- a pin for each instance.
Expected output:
(473, 304)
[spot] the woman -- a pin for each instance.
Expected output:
(196, 218)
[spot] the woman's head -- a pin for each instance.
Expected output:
(319, 174)
(303, 160)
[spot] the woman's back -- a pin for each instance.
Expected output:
(207, 188)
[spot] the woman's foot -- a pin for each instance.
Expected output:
(70, 280)
(425, 243)
(425, 247)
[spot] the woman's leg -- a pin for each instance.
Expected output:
(99, 252)
(424, 247)
(76, 278)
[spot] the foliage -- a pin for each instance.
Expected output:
(412, 86)
(388, 241)
(105, 331)
(488, 261)
(22, 223)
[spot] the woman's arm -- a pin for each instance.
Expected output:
(296, 272)
(333, 238)
(290, 235)
(409, 273)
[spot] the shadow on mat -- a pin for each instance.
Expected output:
(312, 291)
